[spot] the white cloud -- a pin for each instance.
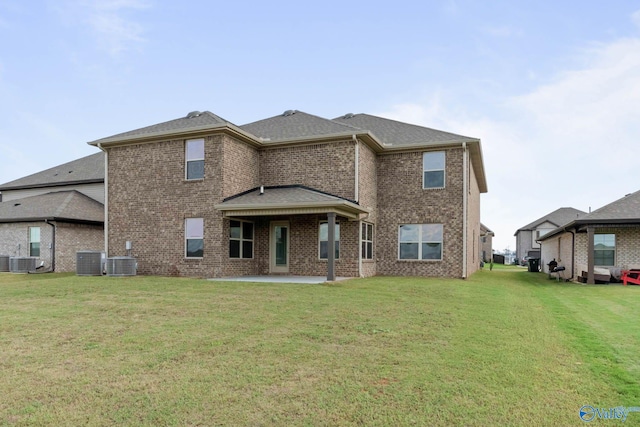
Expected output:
(110, 22)
(503, 31)
(569, 142)
(635, 18)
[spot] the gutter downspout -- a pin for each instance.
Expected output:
(356, 192)
(53, 244)
(356, 197)
(106, 199)
(465, 190)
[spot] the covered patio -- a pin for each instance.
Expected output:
(276, 207)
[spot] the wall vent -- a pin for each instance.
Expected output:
(122, 266)
(90, 263)
(22, 264)
(4, 263)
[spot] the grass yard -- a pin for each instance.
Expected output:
(505, 347)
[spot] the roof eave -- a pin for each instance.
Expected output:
(53, 184)
(193, 132)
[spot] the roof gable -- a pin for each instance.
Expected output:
(293, 124)
(393, 133)
(558, 218)
(193, 121)
(626, 208)
(87, 169)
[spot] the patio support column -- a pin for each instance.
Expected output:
(331, 246)
(590, 256)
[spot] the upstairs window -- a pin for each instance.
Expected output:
(324, 240)
(34, 241)
(604, 249)
(433, 169)
(240, 239)
(194, 237)
(194, 155)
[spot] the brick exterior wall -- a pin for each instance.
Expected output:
(368, 199)
(325, 167)
(402, 200)
(149, 200)
(560, 248)
(627, 247)
(70, 238)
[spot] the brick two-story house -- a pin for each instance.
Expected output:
(200, 196)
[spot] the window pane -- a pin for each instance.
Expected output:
(195, 169)
(408, 251)
(247, 230)
(234, 230)
(604, 241)
(195, 149)
(324, 231)
(433, 179)
(432, 232)
(431, 251)
(337, 254)
(195, 248)
(234, 248)
(336, 232)
(323, 250)
(34, 249)
(194, 227)
(433, 160)
(409, 233)
(34, 234)
(364, 231)
(369, 250)
(247, 249)
(370, 231)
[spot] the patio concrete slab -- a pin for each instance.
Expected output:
(279, 279)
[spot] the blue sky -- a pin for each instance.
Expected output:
(551, 88)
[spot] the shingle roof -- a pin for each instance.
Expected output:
(394, 133)
(290, 199)
(87, 169)
(195, 120)
(626, 208)
(559, 217)
(283, 194)
(62, 205)
(295, 124)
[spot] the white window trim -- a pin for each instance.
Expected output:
(338, 240)
(33, 241)
(420, 242)
(370, 240)
(615, 250)
(187, 160)
(242, 239)
(444, 171)
(186, 238)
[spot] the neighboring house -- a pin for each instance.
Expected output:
(527, 237)
(53, 214)
(486, 243)
(294, 194)
(607, 238)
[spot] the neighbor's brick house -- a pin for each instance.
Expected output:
(200, 196)
(53, 214)
(605, 239)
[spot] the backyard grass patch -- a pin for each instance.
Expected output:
(504, 347)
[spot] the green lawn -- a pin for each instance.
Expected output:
(505, 347)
